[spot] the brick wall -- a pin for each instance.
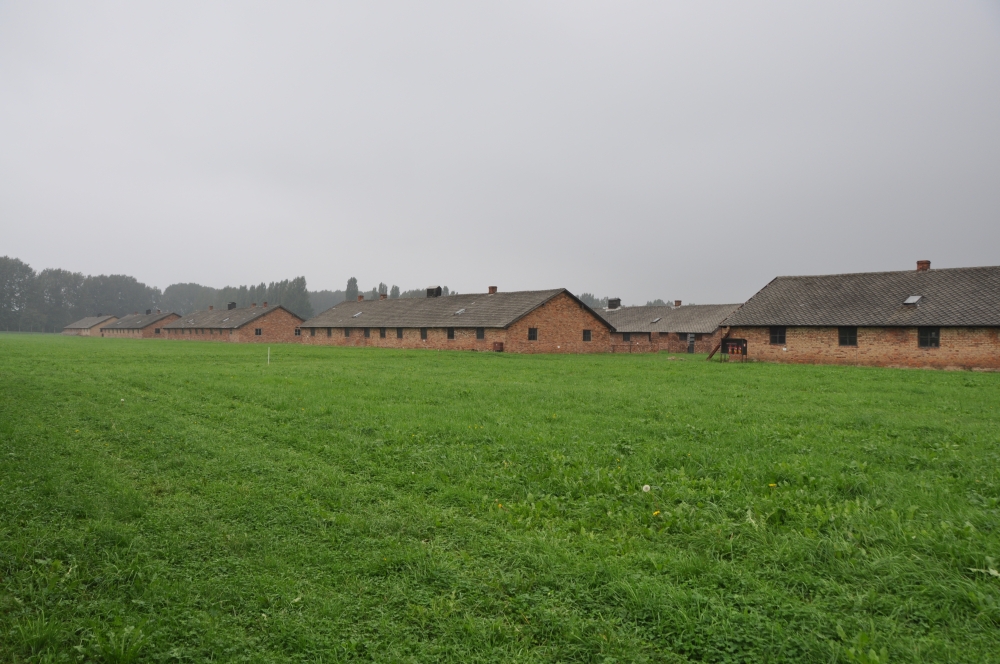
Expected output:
(961, 347)
(148, 332)
(277, 326)
(703, 343)
(560, 323)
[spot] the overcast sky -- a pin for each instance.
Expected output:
(676, 150)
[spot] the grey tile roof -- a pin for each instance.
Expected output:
(222, 318)
(960, 297)
(696, 318)
(137, 321)
(87, 323)
(497, 310)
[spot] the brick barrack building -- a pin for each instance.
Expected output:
(548, 321)
(139, 326)
(946, 318)
(251, 324)
(692, 328)
(89, 326)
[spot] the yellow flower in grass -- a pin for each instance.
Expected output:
(656, 512)
(772, 485)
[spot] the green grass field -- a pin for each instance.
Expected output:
(166, 501)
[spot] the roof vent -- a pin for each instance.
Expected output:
(265, 304)
(253, 305)
(149, 311)
(614, 302)
(913, 299)
(460, 312)
(211, 307)
(434, 291)
(655, 320)
(493, 290)
(231, 305)
(923, 266)
(357, 314)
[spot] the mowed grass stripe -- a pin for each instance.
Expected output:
(364, 504)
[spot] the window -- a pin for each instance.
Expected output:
(480, 333)
(848, 336)
(368, 332)
(423, 333)
(381, 332)
(532, 334)
(399, 333)
(586, 335)
(626, 336)
(298, 332)
(929, 337)
(778, 336)
(156, 331)
(312, 331)
(258, 332)
(451, 333)
(347, 331)
(329, 331)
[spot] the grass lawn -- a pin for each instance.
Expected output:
(169, 501)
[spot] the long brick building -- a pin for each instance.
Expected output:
(89, 326)
(547, 321)
(692, 328)
(139, 326)
(946, 318)
(251, 324)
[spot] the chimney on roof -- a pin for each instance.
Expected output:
(434, 291)
(382, 296)
(493, 290)
(677, 303)
(265, 304)
(361, 298)
(231, 305)
(253, 305)
(923, 266)
(158, 311)
(614, 302)
(211, 306)
(149, 311)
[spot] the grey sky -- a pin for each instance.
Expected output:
(645, 150)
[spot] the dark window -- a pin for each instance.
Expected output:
(929, 337)
(258, 332)
(848, 336)
(368, 332)
(480, 333)
(626, 336)
(586, 335)
(451, 333)
(312, 331)
(329, 331)
(347, 331)
(778, 336)
(298, 332)
(381, 332)
(423, 333)
(697, 336)
(156, 331)
(532, 334)
(399, 333)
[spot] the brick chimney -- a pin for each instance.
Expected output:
(265, 304)
(923, 266)
(361, 298)
(382, 296)
(677, 303)
(253, 305)
(493, 290)
(614, 302)
(210, 307)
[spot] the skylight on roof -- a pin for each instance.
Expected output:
(225, 319)
(656, 320)
(913, 299)
(357, 314)
(459, 312)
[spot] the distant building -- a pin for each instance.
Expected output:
(251, 324)
(692, 328)
(547, 321)
(139, 326)
(88, 327)
(918, 318)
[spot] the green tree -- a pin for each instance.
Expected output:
(55, 299)
(351, 292)
(394, 292)
(16, 279)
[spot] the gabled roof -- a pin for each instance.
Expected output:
(222, 318)
(495, 310)
(959, 297)
(137, 321)
(696, 318)
(88, 322)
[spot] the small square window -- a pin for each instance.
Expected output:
(381, 333)
(347, 331)
(298, 332)
(586, 335)
(258, 332)
(532, 334)
(848, 336)
(480, 333)
(368, 332)
(399, 333)
(156, 331)
(423, 333)
(778, 336)
(626, 336)
(929, 337)
(451, 333)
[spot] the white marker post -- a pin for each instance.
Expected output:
(268, 356)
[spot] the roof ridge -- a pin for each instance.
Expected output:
(858, 274)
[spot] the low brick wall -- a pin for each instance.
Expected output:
(276, 326)
(961, 347)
